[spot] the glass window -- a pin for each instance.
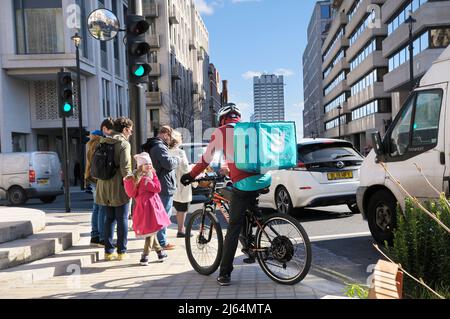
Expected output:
(19, 142)
(39, 26)
(426, 118)
(399, 139)
(325, 12)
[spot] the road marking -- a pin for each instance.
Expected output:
(340, 236)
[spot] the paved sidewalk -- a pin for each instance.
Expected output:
(173, 279)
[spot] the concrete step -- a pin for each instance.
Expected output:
(17, 223)
(58, 235)
(66, 262)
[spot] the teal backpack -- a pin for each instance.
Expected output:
(263, 147)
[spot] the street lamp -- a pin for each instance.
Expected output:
(339, 118)
(410, 21)
(77, 41)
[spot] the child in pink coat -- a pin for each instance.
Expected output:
(149, 215)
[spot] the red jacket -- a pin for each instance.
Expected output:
(221, 140)
(149, 214)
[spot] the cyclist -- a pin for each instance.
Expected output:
(245, 186)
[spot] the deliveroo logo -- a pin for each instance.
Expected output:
(278, 141)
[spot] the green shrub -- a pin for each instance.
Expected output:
(422, 247)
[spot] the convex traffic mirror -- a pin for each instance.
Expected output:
(103, 24)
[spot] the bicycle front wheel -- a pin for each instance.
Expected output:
(283, 249)
(204, 242)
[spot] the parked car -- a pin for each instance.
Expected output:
(30, 175)
(327, 174)
(419, 135)
(194, 151)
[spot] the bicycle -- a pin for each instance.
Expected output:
(280, 243)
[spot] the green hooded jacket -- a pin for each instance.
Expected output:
(112, 192)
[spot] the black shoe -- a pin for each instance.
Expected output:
(224, 280)
(144, 260)
(95, 241)
(249, 260)
(162, 256)
(101, 243)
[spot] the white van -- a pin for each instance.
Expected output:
(419, 134)
(30, 175)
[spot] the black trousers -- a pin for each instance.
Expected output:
(240, 201)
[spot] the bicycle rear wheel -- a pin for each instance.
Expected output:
(204, 247)
(284, 249)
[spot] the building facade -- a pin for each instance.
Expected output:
(35, 45)
(313, 112)
(215, 101)
(366, 61)
(268, 90)
(431, 34)
(179, 88)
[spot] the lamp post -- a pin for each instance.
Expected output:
(77, 41)
(410, 21)
(339, 119)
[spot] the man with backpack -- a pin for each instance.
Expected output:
(110, 164)
(245, 186)
(98, 211)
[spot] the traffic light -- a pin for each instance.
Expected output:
(138, 49)
(65, 94)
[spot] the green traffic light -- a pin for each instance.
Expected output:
(67, 107)
(139, 71)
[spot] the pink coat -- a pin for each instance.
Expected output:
(149, 215)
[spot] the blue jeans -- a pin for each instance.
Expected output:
(97, 219)
(167, 202)
(120, 215)
(98, 222)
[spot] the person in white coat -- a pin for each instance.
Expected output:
(183, 194)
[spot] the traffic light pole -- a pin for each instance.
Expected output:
(66, 165)
(137, 100)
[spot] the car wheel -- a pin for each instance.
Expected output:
(381, 216)
(17, 196)
(283, 200)
(354, 208)
(48, 199)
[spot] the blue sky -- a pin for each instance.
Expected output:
(249, 37)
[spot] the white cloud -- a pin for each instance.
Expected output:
(251, 74)
(240, 1)
(203, 7)
(284, 72)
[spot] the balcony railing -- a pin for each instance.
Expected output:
(154, 98)
(150, 9)
(173, 17)
(153, 41)
(156, 70)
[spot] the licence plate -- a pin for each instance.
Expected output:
(43, 181)
(340, 175)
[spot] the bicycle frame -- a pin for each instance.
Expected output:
(220, 202)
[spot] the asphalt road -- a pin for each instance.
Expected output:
(341, 241)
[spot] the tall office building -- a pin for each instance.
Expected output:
(179, 88)
(365, 61)
(354, 99)
(268, 90)
(313, 112)
(431, 34)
